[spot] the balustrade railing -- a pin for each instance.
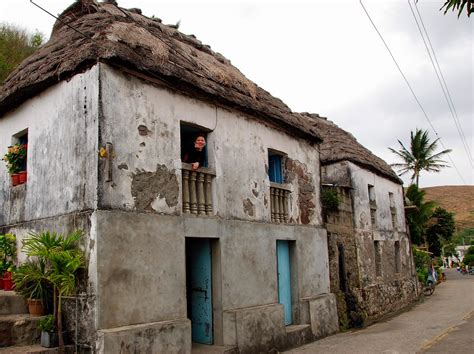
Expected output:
(197, 190)
(279, 201)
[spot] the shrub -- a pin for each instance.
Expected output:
(46, 324)
(330, 199)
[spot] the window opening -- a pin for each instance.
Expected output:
(378, 258)
(16, 158)
(373, 205)
(191, 139)
(275, 172)
(393, 211)
(397, 256)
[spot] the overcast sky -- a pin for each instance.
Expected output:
(326, 57)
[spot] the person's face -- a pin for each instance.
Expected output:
(200, 143)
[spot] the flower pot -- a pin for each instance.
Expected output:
(35, 307)
(7, 284)
(7, 281)
(23, 177)
(15, 179)
(49, 339)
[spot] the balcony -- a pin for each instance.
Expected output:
(279, 202)
(197, 190)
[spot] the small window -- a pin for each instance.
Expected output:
(393, 211)
(275, 171)
(16, 158)
(378, 258)
(392, 201)
(397, 256)
(373, 205)
(371, 194)
(190, 136)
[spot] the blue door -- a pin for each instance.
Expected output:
(200, 290)
(284, 279)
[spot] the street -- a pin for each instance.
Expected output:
(440, 323)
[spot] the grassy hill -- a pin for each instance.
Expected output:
(456, 199)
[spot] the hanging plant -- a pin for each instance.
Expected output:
(330, 199)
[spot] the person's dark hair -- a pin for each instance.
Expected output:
(200, 135)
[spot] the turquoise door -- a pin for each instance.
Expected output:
(284, 279)
(200, 290)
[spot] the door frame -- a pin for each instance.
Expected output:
(216, 287)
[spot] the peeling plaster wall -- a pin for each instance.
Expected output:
(368, 295)
(143, 124)
(383, 230)
(61, 190)
(62, 151)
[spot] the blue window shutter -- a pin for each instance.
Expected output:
(274, 169)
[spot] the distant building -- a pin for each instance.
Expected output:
(370, 258)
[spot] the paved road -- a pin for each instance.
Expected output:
(442, 323)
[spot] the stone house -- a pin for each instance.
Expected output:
(371, 263)
(233, 254)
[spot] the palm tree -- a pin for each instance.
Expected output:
(420, 157)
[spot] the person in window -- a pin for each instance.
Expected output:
(196, 155)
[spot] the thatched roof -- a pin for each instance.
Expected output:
(129, 40)
(339, 145)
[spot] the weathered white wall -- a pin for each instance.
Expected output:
(361, 178)
(237, 149)
(62, 151)
(151, 286)
(383, 230)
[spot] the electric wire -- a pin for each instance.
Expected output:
(466, 148)
(64, 23)
(411, 89)
(445, 89)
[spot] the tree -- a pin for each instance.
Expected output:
(459, 6)
(450, 250)
(16, 44)
(443, 224)
(418, 219)
(420, 157)
(464, 237)
(469, 257)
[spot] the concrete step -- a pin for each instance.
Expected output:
(11, 303)
(35, 349)
(298, 335)
(19, 329)
(198, 348)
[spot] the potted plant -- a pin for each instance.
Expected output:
(31, 281)
(7, 259)
(14, 159)
(62, 259)
(49, 337)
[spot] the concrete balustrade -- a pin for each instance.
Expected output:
(279, 199)
(197, 190)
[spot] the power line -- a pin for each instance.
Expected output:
(411, 89)
(442, 81)
(64, 23)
